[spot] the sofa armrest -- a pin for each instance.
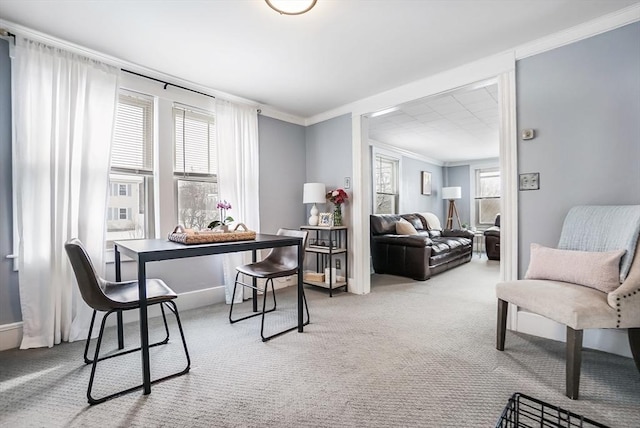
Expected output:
(492, 231)
(405, 240)
(457, 233)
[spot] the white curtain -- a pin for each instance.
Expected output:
(238, 173)
(64, 111)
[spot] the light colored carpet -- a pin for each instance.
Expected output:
(408, 354)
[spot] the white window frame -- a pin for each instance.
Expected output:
(181, 175)
(392, 156)
(144, 172)
(475, 171)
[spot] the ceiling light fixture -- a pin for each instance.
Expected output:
(383, 112)
(291, 7)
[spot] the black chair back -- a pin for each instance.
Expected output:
(89, 283)
(288, 256)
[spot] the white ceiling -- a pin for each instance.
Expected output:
(458, 126)
(339, 52)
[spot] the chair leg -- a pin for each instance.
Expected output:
(235, 285)
(172, 306)
(574, 361)
(502, 324)
(264, 305)
(304, 298)
(86, 346)
(233, 295)
(95, 362)
(174, 309)
(166, 327)
(634, 343)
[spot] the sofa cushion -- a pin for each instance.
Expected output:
(415, 220)
(599, 270)
(403, 227)
(432, 221)
(382, 224)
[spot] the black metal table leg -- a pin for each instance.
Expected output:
(120, 327)
(254, 292)
(144, 327)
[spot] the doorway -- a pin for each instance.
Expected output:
(452, 138)
(505, 80)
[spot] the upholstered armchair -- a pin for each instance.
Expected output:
(492, 240)
(591, 281)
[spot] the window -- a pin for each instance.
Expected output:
(195, 167)
(124, 189)
(487, 196)
(131, 176)
(386, 185)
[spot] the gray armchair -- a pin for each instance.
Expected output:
(578, 306)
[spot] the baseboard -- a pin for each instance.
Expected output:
(608, 340)
(10, 335)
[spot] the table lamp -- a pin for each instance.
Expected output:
(452, 193)
(314, 193)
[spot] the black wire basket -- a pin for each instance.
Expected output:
(525, 411)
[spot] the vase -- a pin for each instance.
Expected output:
(337, 215)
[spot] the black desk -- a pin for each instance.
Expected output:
(152, 250)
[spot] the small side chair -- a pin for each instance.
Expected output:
(112, 297)
(280, 262)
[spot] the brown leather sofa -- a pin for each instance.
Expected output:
(416, 256)
(492, 240)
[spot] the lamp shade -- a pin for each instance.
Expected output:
(314, 193)
(451, 192)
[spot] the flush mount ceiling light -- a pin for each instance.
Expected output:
(291, 7)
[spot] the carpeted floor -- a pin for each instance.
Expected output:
(409, 354)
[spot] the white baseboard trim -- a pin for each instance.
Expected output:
(607, 340)
(11, 334)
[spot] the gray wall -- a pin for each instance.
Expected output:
(412, 200)
(458, 176)
(282, 174)
(9, 295)
(583, 100)
(329, 157)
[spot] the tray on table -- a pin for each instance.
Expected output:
(186, 236)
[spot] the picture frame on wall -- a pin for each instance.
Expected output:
(426, 183)
(326, 220)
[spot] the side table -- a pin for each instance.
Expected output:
(330, 245)
(478, 241)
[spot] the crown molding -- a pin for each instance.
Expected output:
(579, 32)
(583, 31)
(22, 31)
(406, 153)
(474, 162)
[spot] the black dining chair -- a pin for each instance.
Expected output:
(280, 262)
(110, 297)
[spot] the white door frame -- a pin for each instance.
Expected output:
(500, 67)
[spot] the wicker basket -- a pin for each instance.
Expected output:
(186, 236)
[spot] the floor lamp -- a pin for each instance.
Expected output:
(452, 193)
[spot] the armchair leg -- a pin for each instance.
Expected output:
(502, 324)
(634, 343)
(574, 361)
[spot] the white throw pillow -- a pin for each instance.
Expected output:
(403, 227)
(599, 270)
(432, 220)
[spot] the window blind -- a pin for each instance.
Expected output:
(195, 142)
(133, 138)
